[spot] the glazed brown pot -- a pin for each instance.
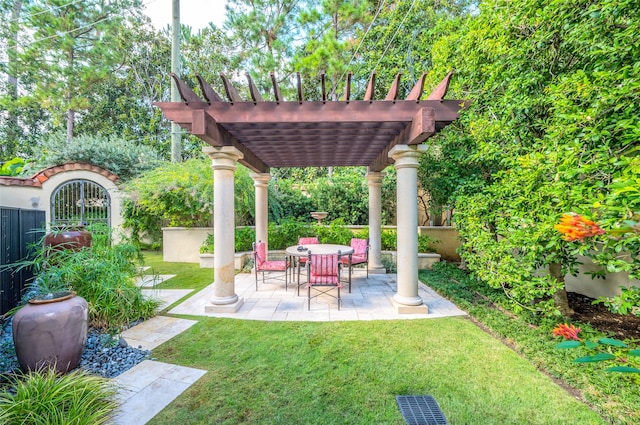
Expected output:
(51, 331)
(73, 238)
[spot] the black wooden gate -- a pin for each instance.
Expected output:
(19, 229)
(80, 202)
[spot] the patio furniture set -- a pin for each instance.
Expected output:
(323, 264)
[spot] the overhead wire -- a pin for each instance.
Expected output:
(362, 39)
(79, 28)
(395, 34)
(45, 11)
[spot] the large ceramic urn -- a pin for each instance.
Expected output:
(51, 331)
(73, 238)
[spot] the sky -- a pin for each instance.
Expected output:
(195, 13)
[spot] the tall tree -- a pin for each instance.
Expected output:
(122, 104)
(74, 47)
(265, 31)
(331, 30)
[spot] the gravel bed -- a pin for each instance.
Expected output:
(103, 355)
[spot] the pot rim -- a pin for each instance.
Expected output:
(55, 297)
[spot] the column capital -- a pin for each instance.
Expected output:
(375, 178)
(260, 179)
(223, 158)
(407, 156)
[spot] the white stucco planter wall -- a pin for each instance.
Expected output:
(239, 260)
(182, 244)
(594, 288)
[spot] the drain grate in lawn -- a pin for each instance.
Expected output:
(420, 410)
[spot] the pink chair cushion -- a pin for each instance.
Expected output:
(355, 259)
(261, 253)
(308, 241)
(323, 270)
(273, 265)
(359, 247)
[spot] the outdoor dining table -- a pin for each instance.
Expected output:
(297, 251)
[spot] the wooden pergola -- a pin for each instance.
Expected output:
(262, 134)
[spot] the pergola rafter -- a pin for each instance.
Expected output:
(304, 133)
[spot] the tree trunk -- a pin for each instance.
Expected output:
(560, 296)
(71, 113)
(12, 78)
(71, 121)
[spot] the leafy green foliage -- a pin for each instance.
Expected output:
(181, 194)
(123, 158)
(208, 245)
(606, 349)
(627, 302)
(45, 398)
(548, 132)
(12, 167)
(102, 274)
(69, 50)
(343, 196)
(287, 233)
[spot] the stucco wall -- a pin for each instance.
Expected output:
(449, 241)
(182, 245)
(594, 288)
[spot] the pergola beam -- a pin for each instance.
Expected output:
(356, 111)
(421, 127)
(206, 128)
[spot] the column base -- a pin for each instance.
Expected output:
(409, 309)
(377, 270)
(224, 308)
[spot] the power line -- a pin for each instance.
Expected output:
(392, 38)
(362, 39)
(83, 27)
(45, 11)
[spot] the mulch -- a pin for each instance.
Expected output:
(616, 325)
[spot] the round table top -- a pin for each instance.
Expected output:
(321, 248)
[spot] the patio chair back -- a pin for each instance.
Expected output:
(262, 264)
(323, 271)
(308, 241)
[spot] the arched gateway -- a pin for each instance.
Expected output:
(303, 133)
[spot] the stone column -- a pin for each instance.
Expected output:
(375, 222)
(406, 158)
(223, 162)
(261, 183)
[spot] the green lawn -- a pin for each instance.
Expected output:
(350, 372)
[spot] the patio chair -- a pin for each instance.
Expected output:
(264, 265)
(360, 256)
(323, 275)
(311, 240)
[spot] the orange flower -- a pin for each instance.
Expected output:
(575, 227)
(566, 331)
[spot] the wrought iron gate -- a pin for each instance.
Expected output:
(80, 202)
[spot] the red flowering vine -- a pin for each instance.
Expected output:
(575, 227)
(566, 331)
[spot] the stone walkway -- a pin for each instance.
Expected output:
(150, 386)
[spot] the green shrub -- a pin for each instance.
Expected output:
(245, 236)
(287, 233)
(103, 274)
(181, 195)
(207, 246)
(335, 232)
(122, 157)
(425, 243)
(388, 240)
(46, 398)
